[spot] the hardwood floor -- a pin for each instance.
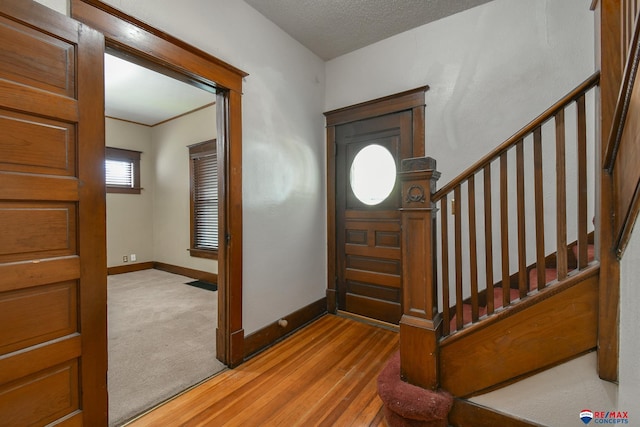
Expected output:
(323, 375)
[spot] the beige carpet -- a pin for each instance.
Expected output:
(161, 339)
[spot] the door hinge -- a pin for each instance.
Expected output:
(227, 237)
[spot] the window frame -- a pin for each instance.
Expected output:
(198, 151)
(131, 156)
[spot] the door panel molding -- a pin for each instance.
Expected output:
(53, 346)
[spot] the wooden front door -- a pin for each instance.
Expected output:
(369, 263)
(53, 344)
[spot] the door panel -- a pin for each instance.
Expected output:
(368, 239)
(52, 152)
(52, 219)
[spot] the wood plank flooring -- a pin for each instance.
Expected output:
(323, 375)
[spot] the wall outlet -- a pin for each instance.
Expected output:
(132, 257)
(125, 259)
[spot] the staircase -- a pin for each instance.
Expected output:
(503, 294)
(509, 295)
(550, 278)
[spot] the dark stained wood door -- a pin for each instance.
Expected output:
(369, 264)
(53, 347)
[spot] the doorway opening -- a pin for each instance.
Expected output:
(164, 53)
(161, 324)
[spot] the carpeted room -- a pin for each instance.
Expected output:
(161, 334)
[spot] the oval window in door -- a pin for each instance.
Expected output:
(373, 174)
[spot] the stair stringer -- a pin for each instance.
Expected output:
(545, 329)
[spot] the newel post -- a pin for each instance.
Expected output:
(421, 323)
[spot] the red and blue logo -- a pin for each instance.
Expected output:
(604, 417)
(586, 416)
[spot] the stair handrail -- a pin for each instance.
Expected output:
(591, 81)
(514, 282)
(626, 207)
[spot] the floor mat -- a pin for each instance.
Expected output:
(203, 285)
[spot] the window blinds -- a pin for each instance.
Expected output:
(205, 201)
(119, 173)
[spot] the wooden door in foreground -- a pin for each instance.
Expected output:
(53, 347)
(369, 264)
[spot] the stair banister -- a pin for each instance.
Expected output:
(424, 330)
(470, 193)
(421, 323)
(538, 121)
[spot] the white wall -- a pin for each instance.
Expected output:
(154, 225)
(61, 6)
(284, 208)
(534, 51)
(629, 369)
(130, 216)
(171, 212)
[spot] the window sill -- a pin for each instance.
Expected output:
(202, 253)
(120, 190)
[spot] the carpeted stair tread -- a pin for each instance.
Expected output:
(497, 303)
(551, 274)
(591, 252)
(409, 405)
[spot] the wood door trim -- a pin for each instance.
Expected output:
(226, 74)
(378, 107)
(161, 50)
(413, 100)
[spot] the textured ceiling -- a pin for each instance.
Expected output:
(331, 28)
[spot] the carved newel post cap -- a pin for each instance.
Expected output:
(415, 164)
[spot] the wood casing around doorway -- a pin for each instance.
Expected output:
(164, 53)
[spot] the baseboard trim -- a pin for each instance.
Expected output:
(184, 271)
(264, 338)
(368, 320)
(469, 414)
(129, 268)
(169, 268)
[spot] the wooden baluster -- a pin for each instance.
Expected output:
(446, 301)
(522, 241)
(488, 238)
(582, 183)
(473, 252)
(458, 256)
(539, 200)
(504, 230)
(561, 198)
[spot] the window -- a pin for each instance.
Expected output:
(122, 171)
(203, 168)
